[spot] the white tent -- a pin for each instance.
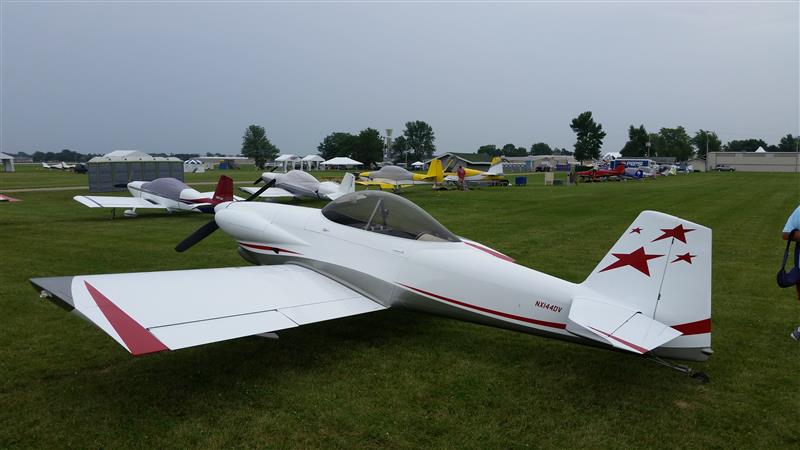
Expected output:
(417, 164)
(7, 161)
(312, 161)
(286, 159)
(342, 161)
(760, 150)
(193, 166)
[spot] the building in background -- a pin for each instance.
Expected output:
(7, 162)
(113, 171)
(755, 161)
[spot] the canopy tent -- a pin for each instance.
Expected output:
(224, 162)
(7, 161)
(311, 161)
(286, 159)
(760, 149)
(341, 161)
(418, 164)
(193, 166)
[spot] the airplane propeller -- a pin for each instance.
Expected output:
(259, 179)
(210, 227)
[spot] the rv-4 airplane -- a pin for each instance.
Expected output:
(59, 166)
(395, 177)
(372, 250)
(471, 176)
(300, 184)
(164, 193)
(602, 174)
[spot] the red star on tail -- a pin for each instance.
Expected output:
(684, 257)
(678, 233)
(636, 230)
(636, 259)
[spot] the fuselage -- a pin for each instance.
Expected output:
(465, 279)
(171, 193)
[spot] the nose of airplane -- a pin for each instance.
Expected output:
(220, 206)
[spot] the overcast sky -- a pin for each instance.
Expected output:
(189, 77)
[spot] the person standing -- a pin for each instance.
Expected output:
(793, 223)
(461, 175)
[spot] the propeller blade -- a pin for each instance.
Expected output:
(200, 234)
(260, 191)
(273, 168)
(259, 180)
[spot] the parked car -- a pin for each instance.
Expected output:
(80, 168)
(724, 168)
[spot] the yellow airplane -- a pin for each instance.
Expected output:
(494, 174)
(395, 178)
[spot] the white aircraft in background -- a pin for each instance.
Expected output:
(371, 250)
(164, 193)
(300, 184)
(493, 175)
(60, 166)
(396, 177)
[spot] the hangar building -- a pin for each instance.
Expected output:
(755, 161)
(111, 172)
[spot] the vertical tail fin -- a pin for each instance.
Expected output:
(348, 184)
(224, 191)
(661, 267)
(435, 171)
(497, 166)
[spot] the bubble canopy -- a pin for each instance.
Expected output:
(385, 213)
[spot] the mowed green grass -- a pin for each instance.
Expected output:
(401, 379)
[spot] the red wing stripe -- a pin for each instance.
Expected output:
(699, 327)
(490, 311)
(623, 341)
(137, 338)
(266, 247)
(491, 252)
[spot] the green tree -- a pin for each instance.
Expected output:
(336, 144)
(399, 151)
(672, 142)
(540, 148)
(513, 150)
(368, 147)
(637, 142)
(744, 145)
(256, 145)
(590, 136)
(490, 150)
(705, 141)
(788, 143)
(420, 140)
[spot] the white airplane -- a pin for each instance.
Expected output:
(60, 166)
(371, 250)
(493, 175)
(164, 193)
(300, 184)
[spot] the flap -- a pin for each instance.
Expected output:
(619, 326)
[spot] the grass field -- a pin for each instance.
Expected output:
(395, 378)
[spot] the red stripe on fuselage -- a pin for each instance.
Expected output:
(266, 247)
(699, 327)
(491, 252)
(137, 338)
(543, 323)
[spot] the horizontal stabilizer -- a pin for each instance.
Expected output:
(616, 325)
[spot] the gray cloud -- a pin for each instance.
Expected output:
(190, 77)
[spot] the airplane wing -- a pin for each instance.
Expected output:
(272, 192)
(623, 328)
(386, 184)
(149, 312)
(115, 202)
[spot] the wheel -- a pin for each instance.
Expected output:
(701, 376)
